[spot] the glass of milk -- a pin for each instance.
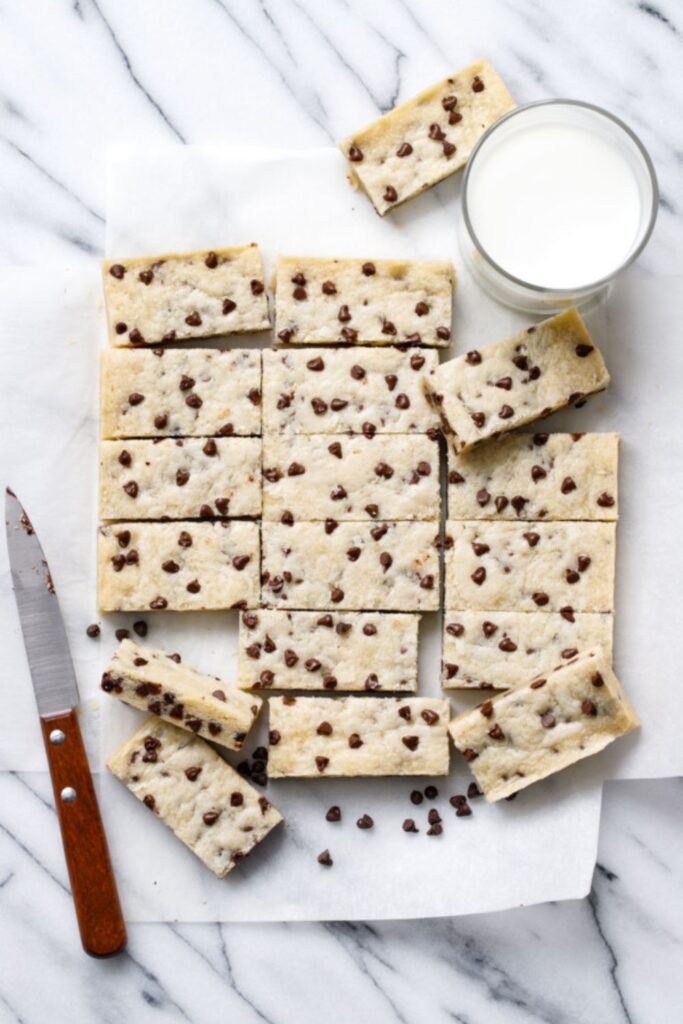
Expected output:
(558, 198)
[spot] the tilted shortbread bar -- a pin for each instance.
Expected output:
(327, 651)
(530, 566)
(536, 476)
(424, 140)
(205, 802)
(152, 299)
(312, 737)
(534, 730)
(363, 301)
(354, 566)
(350, 478)
(153, 681)
(497, 650)
(178, 566)
(512, 382)
(336, 391)
(180, 478)
(180, 392)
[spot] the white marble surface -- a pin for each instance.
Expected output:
(76, 76)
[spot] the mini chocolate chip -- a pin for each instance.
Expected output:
(194, 401)
(369, 629)
(505, 412)
(211, 260)
(355, 153)
(583, 562)
(390, 194)
(211, 817)
(369, 269)
(184, 539)
(597, 680)
(336, 595)
(605, 500)
(572, 576)
(479, 419)
(427, 582)
(473, 358)
(548, 720)
(324, 729)
(531, 538)
(568, 485)
(443, 332)
(540, 598)
(117, 270)
(135, 398)
(240, 562)
(228, 306)
(319, 406)
(405, 712)
(330, 526)
(479, 575)
(477, 84)
(402, 402)
(149, 801)
(257, 287)
(194, 319)
(355, 741)
(411, 742)
(501, 503)
(583, 350)
(405, 149)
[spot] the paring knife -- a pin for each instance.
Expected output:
(100, 921)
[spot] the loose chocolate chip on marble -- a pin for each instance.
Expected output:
(548, 720)
(411, 742)
(333, 814)
(93, 631)
(473, 791)
(572, 576)
(531, 538)
(583, 350)
(597, 680)
(390, 194)
(365, 822)
(479, 575)
(409, 826)
(123, 634)
(435, 830)
(416, 797)
(433, 817)
(479, 419)
(325, 859)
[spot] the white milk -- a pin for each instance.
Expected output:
(555, 205)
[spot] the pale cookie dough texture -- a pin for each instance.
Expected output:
(327, 651)
(177, 296)
(166, 392)
(187, 478)
(202, 799)
(533, 731)
(500, 650)
(178, 566)
(390, 476)
(335, 391)
(317, 737)
(384, 566)
(424, 140)
(536, 476)
(156, 682)
(381, 302)
(512, 382)
(530, 566)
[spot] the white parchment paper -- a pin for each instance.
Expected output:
(540, 847)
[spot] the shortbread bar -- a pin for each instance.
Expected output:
(385, 566)
(424, 140)
(534, 730)
(531, 567)
(351, 478)
(316, 737)
(327, 651)
(526, 377)
(201, 798)
(380, 302)
(178, 566)
(159, 683)
(536, 476)
(180, 478)
(498, 650)
(335, 391)
(165, 298)
(180, 392)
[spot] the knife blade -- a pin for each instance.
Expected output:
(98, 910)
(41, 621)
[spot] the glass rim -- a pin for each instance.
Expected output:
(654, 206)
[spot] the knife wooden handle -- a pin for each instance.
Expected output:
(100, 921)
